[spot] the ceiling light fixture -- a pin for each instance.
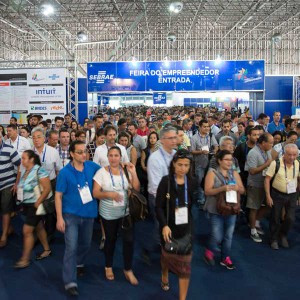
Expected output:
(176, 7)
(189, 62)
(82, 37)
(47, 10)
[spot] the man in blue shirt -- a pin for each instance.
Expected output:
(76, 210)
(275, 125)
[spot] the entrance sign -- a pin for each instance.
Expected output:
(176, 76)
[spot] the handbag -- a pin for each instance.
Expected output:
(223, 207)
(48, 205)
(181, 246)
(138, 209)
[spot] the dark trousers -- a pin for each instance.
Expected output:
(280, 201)
(111, 228)
(50, 219)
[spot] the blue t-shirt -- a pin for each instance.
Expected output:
(67, 184)
(272, 127)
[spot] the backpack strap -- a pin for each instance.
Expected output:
(276, 171)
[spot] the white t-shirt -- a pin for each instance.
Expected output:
(100, 156)
(107, 208)
(20, 144)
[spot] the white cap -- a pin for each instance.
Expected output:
(295, 117)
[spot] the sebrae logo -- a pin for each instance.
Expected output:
(101, 76)
(35, 77)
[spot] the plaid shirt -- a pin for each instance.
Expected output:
(91, 148)
(63, 154)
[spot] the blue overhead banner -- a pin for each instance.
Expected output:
(105, 100)
(176, 76)
(159, 98)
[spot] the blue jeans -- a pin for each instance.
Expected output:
(199, 193)
(78, 238)
(156, 235)
(221, 232)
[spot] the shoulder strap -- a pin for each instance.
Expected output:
(127, 176)
(276, 171)
(218, 175)
(168, 200)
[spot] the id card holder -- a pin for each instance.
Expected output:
(85, 194)
(20, 194)
(181, 215)
(205, 148)
(291, 187)
(231, 197)
(264, 172)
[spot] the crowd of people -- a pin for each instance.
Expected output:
(63, 176)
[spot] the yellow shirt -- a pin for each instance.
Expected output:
(280, 181)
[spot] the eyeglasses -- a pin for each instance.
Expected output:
(80, 152)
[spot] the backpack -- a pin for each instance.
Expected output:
(138, 209)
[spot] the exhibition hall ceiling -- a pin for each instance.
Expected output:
(148, 30)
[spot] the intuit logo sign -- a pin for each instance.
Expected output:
(44, 91)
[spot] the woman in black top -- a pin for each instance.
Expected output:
(181, 191)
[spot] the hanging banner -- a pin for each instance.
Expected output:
(159, 98)
(32, 91)
(176, 76)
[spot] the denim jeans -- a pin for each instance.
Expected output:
(156, 236)
(221, 232)
(78, 238)
(199, 193)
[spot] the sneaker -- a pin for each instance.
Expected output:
(209, 257)
(73, 291)
(227, 263)
(259, 230)
(256, 238)
(274, 245)
(284, 242)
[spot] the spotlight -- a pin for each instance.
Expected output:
(82, 37)
(276, 38)
(189, 62)
(176, 7)
(47, 10)
(218, 60)
(134, 61)
(166, 61)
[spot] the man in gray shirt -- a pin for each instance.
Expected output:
(258, 160)
(137, 141)
(226, 127)
(202, 143)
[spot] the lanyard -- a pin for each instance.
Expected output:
(76, 175)
(231, 177)
(200, 137)
(44, 153)
(286, 171)
(263, 154)
(163, 155)
(112, 178)
(17, 142)
(185, 192)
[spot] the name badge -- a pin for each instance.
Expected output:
(119, 203)
(181, 215)
(20, 194)
(231, 197)
(205, 148)
(85, 194)
(264, 172)
(291, 187)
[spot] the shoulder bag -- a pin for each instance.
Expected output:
(223, 207)
(181, 246)
(138, 209)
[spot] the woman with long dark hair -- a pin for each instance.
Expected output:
(178, 223)
(33, 188)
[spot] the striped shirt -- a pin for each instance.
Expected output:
(9, 162)
(107, 209)
(63, 154)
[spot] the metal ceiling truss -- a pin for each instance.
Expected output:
(233, 29)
